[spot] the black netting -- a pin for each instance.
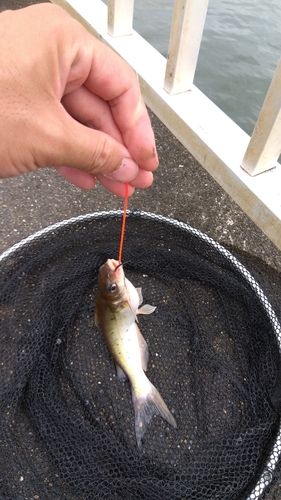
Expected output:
(67, 423)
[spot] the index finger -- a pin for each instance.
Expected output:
(112, 79)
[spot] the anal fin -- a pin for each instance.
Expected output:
(143, 349)
(121, 375)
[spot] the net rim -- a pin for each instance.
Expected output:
(267, 473)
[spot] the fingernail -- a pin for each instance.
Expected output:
(126, 172)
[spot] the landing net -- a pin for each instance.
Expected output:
(67, 423)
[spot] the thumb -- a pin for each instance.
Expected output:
(91, 151)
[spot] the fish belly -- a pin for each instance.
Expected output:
(122, 339)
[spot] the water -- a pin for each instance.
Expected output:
(240, 49)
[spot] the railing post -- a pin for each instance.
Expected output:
(207, 133)
(265, 144)
(120, 17)
(185, 39)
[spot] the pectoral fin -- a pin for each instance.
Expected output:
(133, 312)
(140, 295)
(146, 309)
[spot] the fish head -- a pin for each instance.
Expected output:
(111, 281)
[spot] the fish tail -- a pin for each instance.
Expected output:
(145, 407)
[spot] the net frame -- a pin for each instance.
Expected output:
(267, 473)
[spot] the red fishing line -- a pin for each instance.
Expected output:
(123, 222)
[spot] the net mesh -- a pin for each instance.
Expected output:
(67, 423)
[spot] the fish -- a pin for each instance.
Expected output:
(118, 303)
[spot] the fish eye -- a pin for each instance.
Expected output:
(112, 287)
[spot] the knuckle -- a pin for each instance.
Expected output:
(100, 161)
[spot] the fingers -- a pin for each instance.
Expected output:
(102, 163)
(116, 84)
(79, 178)
(68, 99)
(114, 187)
(83, 148)
(87, 181)
(92, 111)
(143, 180)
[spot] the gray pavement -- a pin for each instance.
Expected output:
(181, 189)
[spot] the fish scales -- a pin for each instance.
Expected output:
(117, 306)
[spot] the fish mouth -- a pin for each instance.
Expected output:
(112, 264)
(113, 269)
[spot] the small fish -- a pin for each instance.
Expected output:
(117, 306)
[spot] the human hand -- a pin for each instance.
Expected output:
(68, 101)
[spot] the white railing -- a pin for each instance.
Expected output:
(230, 156)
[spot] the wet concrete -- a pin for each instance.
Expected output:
(182, 189)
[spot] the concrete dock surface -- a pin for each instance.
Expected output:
(182, 189)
